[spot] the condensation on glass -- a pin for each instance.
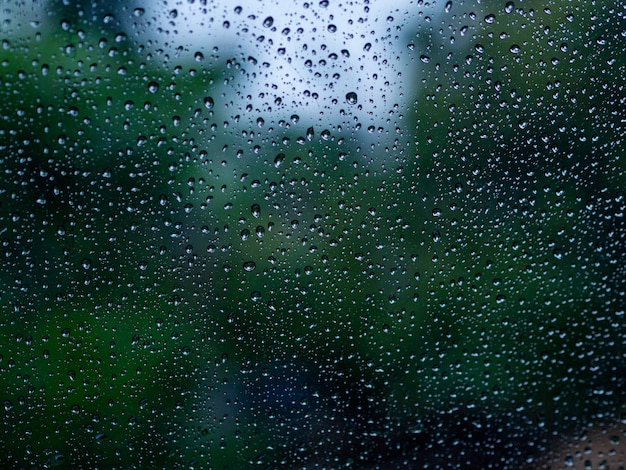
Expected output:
(312, 235)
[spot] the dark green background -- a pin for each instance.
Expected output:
(440, 283)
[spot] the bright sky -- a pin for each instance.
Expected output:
(352, 47)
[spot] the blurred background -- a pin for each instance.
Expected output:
(312, 235)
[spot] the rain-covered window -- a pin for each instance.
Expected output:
(312, 234)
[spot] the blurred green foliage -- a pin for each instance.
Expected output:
(181, 289)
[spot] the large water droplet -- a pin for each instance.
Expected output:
(352, 98)
(255, 210)
(278, 161)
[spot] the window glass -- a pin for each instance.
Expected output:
(312, 235)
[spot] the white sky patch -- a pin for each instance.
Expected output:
(302, 58)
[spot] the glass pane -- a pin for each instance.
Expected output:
(314, 235)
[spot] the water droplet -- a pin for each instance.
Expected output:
(278, 161)
(268, 22)
(351, 98)
(509, 7)
(208, 102)
(249, 266)
(255, 210)
(515, 49)
(153, 87)
(425, 59)
(490, 19)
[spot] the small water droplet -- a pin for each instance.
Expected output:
(268, 22)
(153, 87)
(249, 266)
(255, 210)
(490, 19)
(352, 98)
(278, 161)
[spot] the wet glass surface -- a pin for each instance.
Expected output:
(312, 235)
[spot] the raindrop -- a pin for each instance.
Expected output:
(153, 87)
(208, 102)
(249, 266)
(255, 210)
(351, 98)
(268, 22)
(278, 161)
